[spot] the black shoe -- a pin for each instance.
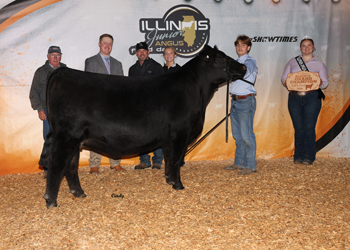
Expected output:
(155, 166)
(142, 166)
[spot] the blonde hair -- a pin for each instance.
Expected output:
(170, 47)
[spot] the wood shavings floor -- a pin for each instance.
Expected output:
(283, 206)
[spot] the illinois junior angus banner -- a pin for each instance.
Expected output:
(183, 26)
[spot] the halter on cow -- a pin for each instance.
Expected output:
(120, 116)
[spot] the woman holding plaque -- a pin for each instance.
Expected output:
(304, 101)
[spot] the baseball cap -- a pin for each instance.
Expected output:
(54, 49)
(141, 45)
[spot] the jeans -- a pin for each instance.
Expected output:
(242, 117)
(45, 126)
(156, 159)
(304, 112)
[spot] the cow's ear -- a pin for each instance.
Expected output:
(207, 46)
(207, 54)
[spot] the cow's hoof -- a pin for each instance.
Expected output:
(170, 182)
(78, 194)
(50, 203)
(178, 186)
(82, 196)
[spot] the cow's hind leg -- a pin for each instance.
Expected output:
(45, 154)
(60, 158)
(72, 176)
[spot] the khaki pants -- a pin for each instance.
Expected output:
(95, 160)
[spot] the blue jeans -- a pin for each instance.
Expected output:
(46, 126)
(304, 112)
(156, 159)
(242, 117)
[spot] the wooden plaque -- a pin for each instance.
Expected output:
(303, 81)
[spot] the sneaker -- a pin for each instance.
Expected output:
(233, 167)
(94, 170)
(142, 166)
(246, 171)
(298, 161)
(155, 166)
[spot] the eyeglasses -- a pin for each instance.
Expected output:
(53, 56)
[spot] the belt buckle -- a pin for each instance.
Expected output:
(301, 93)
(234, 97)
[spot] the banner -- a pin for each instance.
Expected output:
(28, 28)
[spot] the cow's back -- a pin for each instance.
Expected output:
(96, 104)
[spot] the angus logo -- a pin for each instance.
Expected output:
(183, 27)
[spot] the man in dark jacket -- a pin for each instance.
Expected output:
(146, 66)
(37, 93)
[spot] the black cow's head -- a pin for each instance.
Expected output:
(220, 60)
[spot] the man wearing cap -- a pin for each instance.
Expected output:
(146, 66)
(37, 94)
(103, 63)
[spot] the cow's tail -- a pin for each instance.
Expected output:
(50, 82)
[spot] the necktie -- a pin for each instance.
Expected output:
(108, 66)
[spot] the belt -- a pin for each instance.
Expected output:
(239, 97)
(300, 93)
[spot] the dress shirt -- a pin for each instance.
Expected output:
(108, 58)
(239, 87)
(53, 66)
(313, 65)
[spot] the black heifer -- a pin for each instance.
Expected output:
(117, 116)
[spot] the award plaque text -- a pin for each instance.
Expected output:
(303, 81)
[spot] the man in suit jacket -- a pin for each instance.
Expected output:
(103, 63)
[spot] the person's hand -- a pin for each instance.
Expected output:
(42, 115)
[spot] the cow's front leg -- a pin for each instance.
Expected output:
(167, 164)
(175, 153)
(72, 176)
(173, 177)
(178, 184)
